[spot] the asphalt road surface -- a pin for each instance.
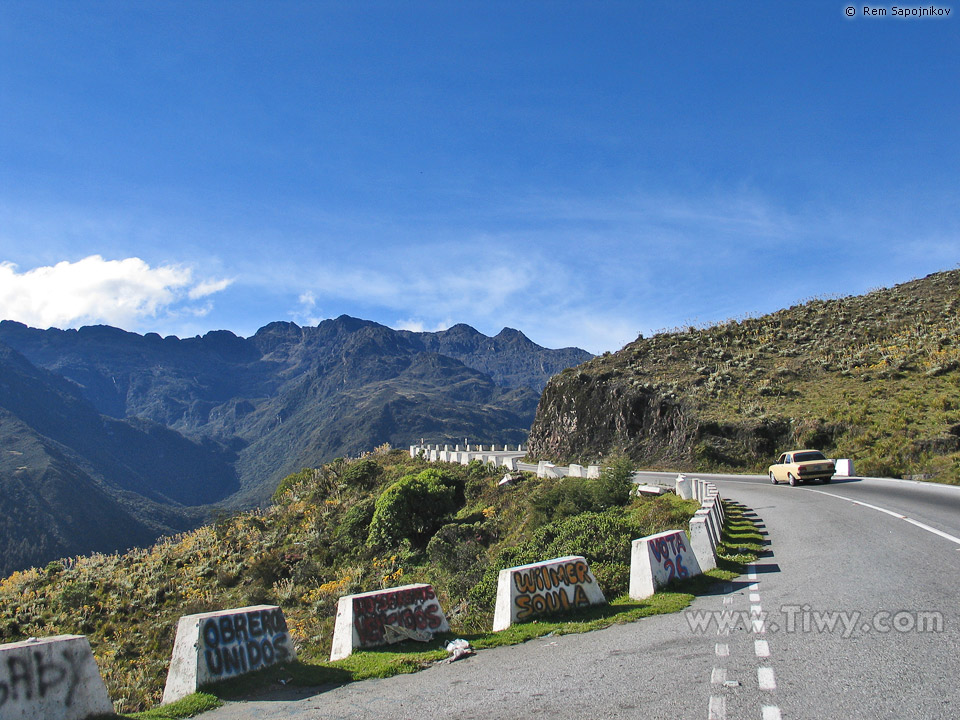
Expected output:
(854, 612)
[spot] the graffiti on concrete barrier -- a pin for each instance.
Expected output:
(241, 642)
(550, 588)
(35, 675)
(414, 608)
(668, 551)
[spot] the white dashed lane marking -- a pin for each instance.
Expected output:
(766, 679)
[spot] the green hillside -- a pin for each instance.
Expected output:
(874, 377)
(346, 527)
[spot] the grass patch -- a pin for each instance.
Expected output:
(188, 707)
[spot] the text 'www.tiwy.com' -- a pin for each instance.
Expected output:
(804, 619)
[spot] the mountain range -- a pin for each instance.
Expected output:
(110, 438)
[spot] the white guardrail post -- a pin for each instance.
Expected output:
(706, 525)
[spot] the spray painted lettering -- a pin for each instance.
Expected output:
(668, 551)
(414, 608)
(22, 679)
(242, 642)
(553, 588)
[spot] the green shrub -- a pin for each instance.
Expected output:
(603, 538)
(413, 509)
(291, 481)
(571, 496)
(613, 486)
(355, 525)
(362, 474)
(458, 550)
(560, 499)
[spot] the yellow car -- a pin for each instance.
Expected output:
(798, 466)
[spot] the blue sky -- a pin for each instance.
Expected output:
(581, 171)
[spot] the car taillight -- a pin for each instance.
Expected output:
(801, 468)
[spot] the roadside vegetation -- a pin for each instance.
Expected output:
(874, 377)
(347, 527)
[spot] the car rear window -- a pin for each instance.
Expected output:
(808, 456)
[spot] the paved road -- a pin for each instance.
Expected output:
(877, 570)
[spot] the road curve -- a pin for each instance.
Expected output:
(853, 613)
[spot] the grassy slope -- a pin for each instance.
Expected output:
(306, 551)
(742, 543)
(873, 377)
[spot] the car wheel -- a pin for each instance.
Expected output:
(792, 480)
(825, 480)
(773, 478)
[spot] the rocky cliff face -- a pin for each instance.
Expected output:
(582, 416)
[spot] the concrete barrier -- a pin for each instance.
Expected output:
(713, 522)
(684, 487)
(556, 585)
(381, 617)
(215, 646)
(54, 678)
(657, 560)
(844, 468)
(712, 503)
(701, 542)
(646, 489)
(550, 471)
(706, 525)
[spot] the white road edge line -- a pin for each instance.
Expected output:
(897, 515)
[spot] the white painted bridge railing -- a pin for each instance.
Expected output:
(501, 458)
(506, 458)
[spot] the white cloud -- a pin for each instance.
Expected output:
(417, 325)
(94, 290)
(307, 313)
(208, 287)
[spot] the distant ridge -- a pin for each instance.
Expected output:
(161, 429)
